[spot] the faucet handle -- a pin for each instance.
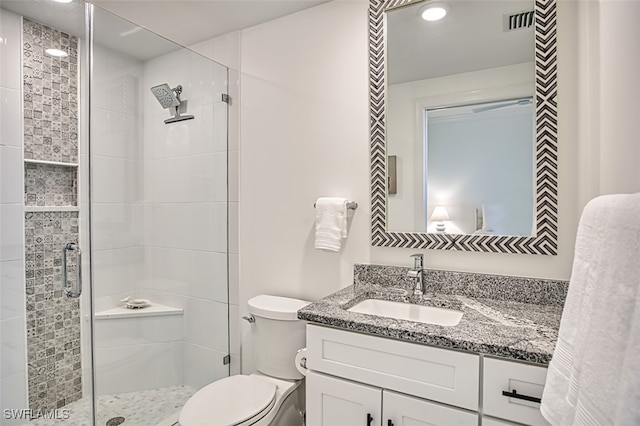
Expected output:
(417, 260)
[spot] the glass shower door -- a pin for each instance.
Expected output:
(158, 161)
(88, 165)
(44, 71)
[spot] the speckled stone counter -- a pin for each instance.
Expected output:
(510, 317)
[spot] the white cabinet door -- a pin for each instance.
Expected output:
(504, 378)
(403, 410)
(337, 402)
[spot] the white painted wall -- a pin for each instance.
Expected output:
(614, 40)
(13, 378)
(304, 134)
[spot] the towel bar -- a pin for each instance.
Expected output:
(351, 205)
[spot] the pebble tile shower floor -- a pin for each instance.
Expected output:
(144, 408)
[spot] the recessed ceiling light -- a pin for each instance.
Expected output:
(56, 52)
(434, 11)
(63, 1)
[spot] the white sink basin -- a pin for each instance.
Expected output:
(408, 312)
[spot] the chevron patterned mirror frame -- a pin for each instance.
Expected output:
(545, 240)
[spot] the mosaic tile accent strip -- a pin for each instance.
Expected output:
(50, 94)
(47, 185)
(545, 241)
(53, 321)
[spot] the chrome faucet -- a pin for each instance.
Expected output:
(416, 274)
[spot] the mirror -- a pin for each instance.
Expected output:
(463, 126)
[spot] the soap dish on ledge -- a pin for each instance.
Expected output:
(135, 303)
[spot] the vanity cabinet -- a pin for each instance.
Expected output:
(357, 379)
(374, 376)
(403, 410)
(337, 402)
(510, 390)
(333, 401)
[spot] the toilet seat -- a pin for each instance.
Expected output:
(234, 401)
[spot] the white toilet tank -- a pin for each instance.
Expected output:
(277, 335)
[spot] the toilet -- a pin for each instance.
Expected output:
(274, 394)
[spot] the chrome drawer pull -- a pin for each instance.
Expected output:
(515, 394)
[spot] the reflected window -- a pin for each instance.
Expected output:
(478, 162)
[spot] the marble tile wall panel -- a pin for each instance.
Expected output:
(53, 321)
(50, 133)
(50, 91)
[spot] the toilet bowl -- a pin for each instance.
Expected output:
(274, 395)
(241, 400)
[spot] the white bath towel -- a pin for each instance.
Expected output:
(331, 223)
(594, 375)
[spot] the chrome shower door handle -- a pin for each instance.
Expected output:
(74, 290)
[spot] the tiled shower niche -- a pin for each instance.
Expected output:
(50, 134)
(47, 185)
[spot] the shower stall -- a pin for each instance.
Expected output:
(114, 258)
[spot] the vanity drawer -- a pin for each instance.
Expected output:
(513, 377)
(438, 374)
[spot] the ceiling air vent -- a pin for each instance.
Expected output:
(517, 21)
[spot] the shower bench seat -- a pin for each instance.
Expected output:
(155, 310)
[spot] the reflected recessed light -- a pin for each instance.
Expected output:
(434, 11)
(56, 52)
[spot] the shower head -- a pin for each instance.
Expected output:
(170, 98)
(165, 95)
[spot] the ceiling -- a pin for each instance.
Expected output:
(188, 22)
(469, 38)
(184, 22)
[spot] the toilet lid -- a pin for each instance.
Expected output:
(230, 401)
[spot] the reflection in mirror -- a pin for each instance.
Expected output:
(456, 104)
(479, 165)
(456, 124)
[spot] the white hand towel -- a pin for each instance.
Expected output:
(331, 223)
(594, 375)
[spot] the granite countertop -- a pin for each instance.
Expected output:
(509, 329)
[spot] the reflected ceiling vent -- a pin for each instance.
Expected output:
(517, 21)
